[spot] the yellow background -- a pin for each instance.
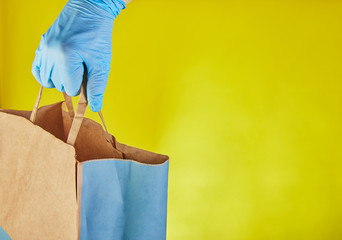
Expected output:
(245, 97)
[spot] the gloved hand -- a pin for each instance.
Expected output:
(82, 33)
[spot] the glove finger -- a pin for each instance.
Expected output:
(96, 86)
(56, 79)
(71, 74)
(36, 64)
(45, 72)
(36, 73)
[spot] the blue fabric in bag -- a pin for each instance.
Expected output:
(123, 200)
(3, 234)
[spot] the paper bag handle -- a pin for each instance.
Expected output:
(68, 101)
(70, 107)
(77, 118)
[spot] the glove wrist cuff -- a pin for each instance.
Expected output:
(115, 6)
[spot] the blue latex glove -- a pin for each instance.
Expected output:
(82, 33)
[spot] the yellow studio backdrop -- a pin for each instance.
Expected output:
(245, 97)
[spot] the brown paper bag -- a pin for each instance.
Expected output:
(39, 162)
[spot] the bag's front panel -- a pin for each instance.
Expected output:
(37, 182)
(123, 199)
